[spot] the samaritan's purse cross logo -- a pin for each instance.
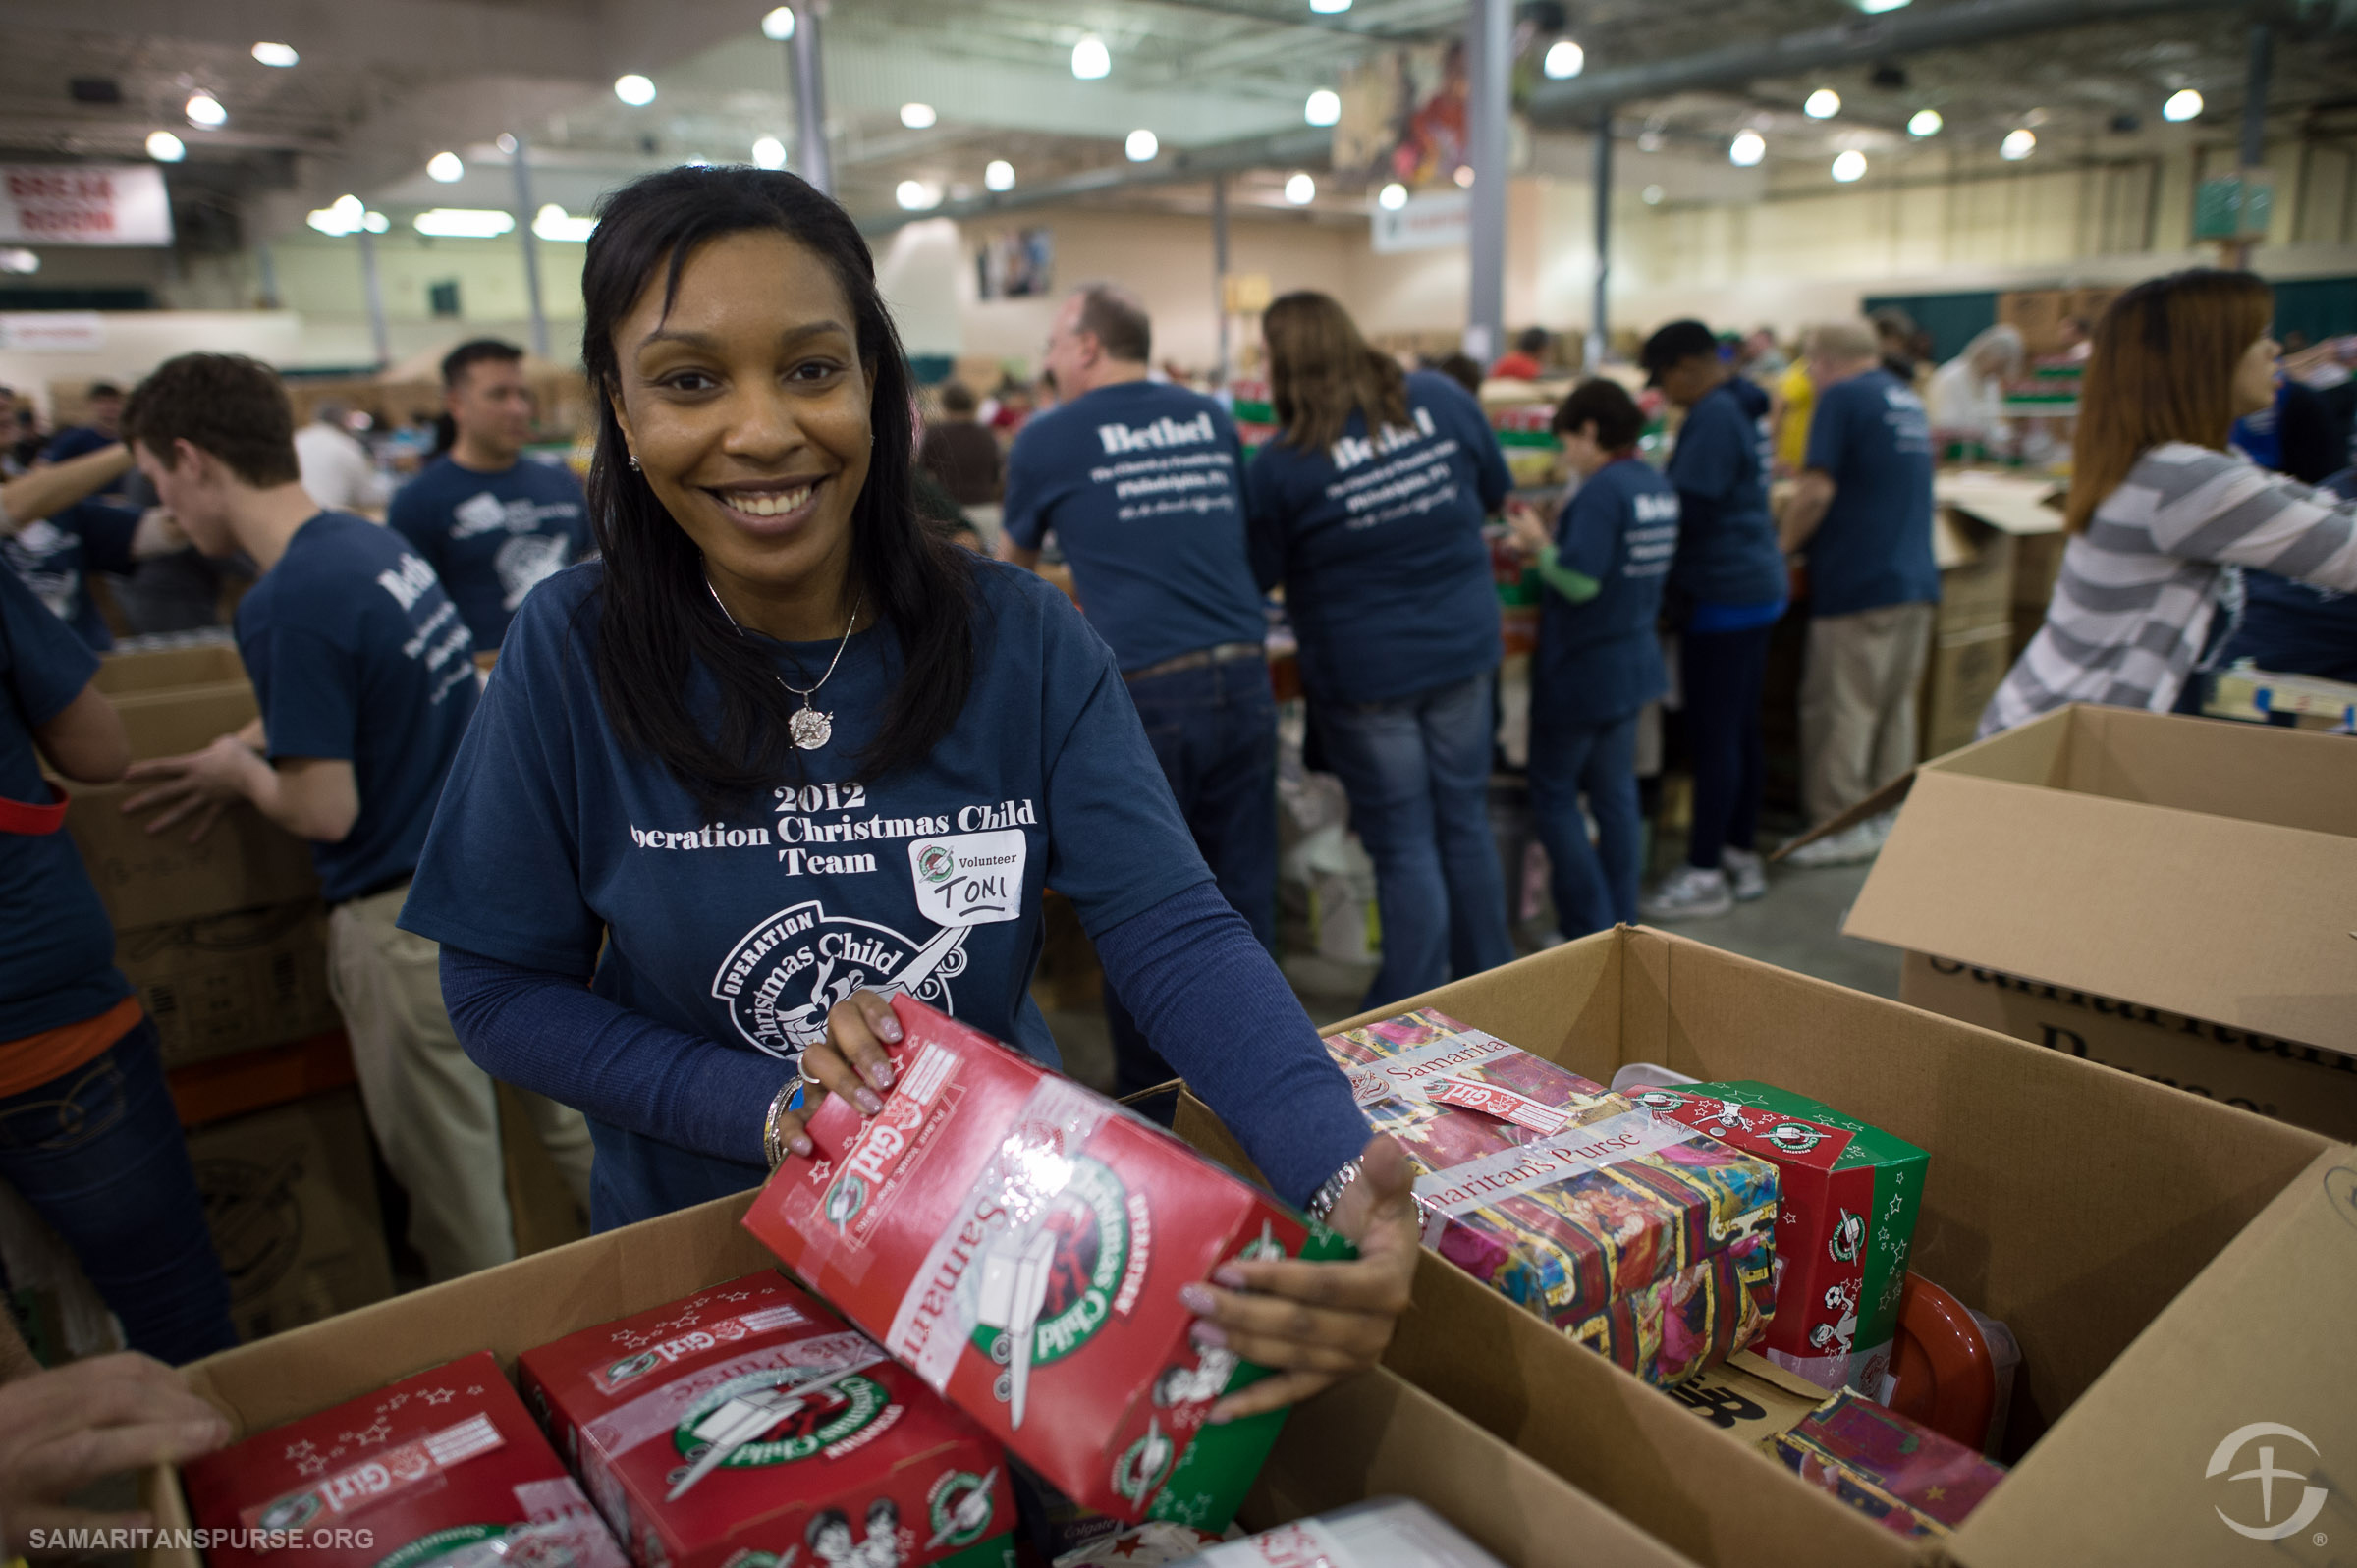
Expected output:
(2311, 1499)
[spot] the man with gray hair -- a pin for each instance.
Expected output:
(1138, 480)
(1862, 512)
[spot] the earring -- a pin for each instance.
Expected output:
(634, 463)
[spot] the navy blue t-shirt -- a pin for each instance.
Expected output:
(554, 835)
(1874, 548)
(357, 655)
(77, 440)
(1727, 548)
(492, 537)
(57, 949)
(1378, 541)
(55, 557)
(1602, 660)
(1139, 481)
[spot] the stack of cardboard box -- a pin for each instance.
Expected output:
(1997, 546)
(226, 943)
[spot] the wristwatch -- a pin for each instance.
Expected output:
(1321, 1203)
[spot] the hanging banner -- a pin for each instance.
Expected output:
(83, 204)
(1426, 222)
(1405, 117)
(52, 330)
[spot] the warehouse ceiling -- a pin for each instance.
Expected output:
(380, 87)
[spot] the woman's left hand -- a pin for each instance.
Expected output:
(1316, 1323)
(1528, 527)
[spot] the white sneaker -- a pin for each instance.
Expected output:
(1746, 872)
(1688, 894)
(1851, 845)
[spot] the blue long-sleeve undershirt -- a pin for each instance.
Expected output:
(1206, 993)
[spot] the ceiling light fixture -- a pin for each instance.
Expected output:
(1849, 166)
(634, 90)
(1299, 189)
(2183, 104)
(1653, 196)
(1822, 104)
(165, 147)
(20, 261)
(1091, 60)
(919, 116)
(203, 109)
(1464, 177)
(463, 223)
(778, 25)
(1328, 8)
(1875, 8)
(445, 168)
(1925, 122)
(769, 153)
(1563, 60)
(1391, 197)
(1142, 147)
(1747, 149)
(552, 222)
(2018, 144)
(998, 176)
(376, 222)
(344, 215)
(914, 195)
(1324, 108)
(281, 55)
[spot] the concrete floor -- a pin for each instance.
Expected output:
(1797, 925)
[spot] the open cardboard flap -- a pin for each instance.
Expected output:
(2179, 1420)
(2204, 868)
(1887, 798)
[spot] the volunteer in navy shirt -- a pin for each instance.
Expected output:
(93, 1142)
(782, 751)
(1138, 480)
(1599, 659)
(365, 674)
(1862, 512)
(1368, 505)
(1727, 593)
(492, 523)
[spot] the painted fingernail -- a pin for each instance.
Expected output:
(802, 1145)
(1208, 1336)
(891, 1031)
(867, 1101)
(1194, 1298)
(881, 1075)
(1229, 1274)
(1218, 1418)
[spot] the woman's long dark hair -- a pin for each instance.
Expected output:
(656, 618)
(1321, 371)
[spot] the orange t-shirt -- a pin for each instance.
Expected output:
(27, 1063)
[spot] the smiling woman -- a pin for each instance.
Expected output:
(880, 749)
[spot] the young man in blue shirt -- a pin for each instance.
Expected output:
(1138, 480)
(365, 674)
(490, 521)
(1862, 511)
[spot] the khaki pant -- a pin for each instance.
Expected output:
(1857, 704)
(435, 1113)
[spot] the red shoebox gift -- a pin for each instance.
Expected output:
(448, 1462)
(749, 1425)
(1021, 1243)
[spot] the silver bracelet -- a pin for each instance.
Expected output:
(785, 1099)
(1321, 1203)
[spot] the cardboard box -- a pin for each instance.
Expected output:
(246, 861)
(1983, 504)
(2170, 896)
(235, 982)
(1020, 1242)
(747, 1417)
(1976, 573)
(205, 660)
(1964, 672)
(2164, 1262)
(448, 1462)
(1373, 1436)
(290, 1197)
(1907, 1478)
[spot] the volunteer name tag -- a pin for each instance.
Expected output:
(969, 879)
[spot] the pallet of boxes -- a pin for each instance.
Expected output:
(225, 942)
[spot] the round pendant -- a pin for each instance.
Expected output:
(810, 728)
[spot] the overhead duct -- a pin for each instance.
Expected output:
(1866, 40)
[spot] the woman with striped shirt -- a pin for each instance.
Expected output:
(2160, 515)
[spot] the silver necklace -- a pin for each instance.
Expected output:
(811, 727)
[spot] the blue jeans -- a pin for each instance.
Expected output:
(1214, 730)
(1724, 673)
(1417, 771)
(98, 1154)
(1595, 886)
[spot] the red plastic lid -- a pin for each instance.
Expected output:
(1942, 1376)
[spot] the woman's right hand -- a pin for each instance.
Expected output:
(1528, 527)
(852, 1060)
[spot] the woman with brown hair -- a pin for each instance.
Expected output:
(1369, 507)
(2161, 513)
